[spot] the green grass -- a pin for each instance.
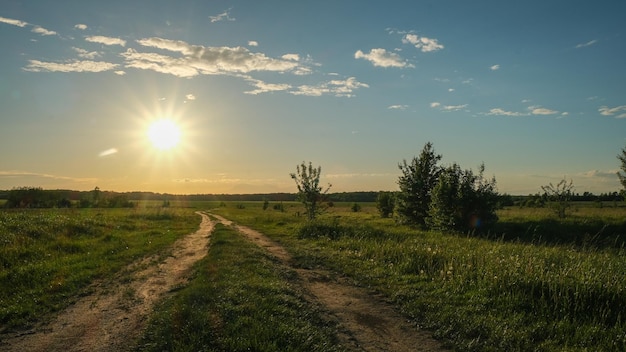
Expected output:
(479, 294)
(239, 299)
(49, 257)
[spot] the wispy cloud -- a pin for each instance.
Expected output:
(81, 26)
(43, 31)
(198, 59)
(589, 43)
(108, 152)
(398, 107)
(119, 72)
(17, 173)
(383, 58)
(502, 112)
(13, 22)
(86, 54)
(291, 57)
(422, 43)
(447, 108)
(264, 87)
(224, 16)
(619, 111)
(106, 40)
(536, 110)
(339, 88)
(494, 67)
(253, 43)
(72, 66)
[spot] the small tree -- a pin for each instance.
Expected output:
(416, 183)
(462, 200)
(559, 196)
(622, 174)
(385, 202)
(310, 193)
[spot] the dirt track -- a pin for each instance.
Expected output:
(367, 322)
(112, 318)
(114, 315)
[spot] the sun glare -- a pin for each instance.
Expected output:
(164, 134)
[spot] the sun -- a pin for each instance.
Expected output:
(164, 134)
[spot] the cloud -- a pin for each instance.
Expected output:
(382, 58)
(86, 54)
(291, 57)
(494, 67)
(108, 152)
(338, 88)
(198, 60)
(501, 112)
(447, 108)
(398, 107)
(264, 87)
(422, 43)
(611, 174)
(106, 40)
(619, 110)
(14, 173)
(224, 16)
(253, 43)
(13, 22)
(81, 26)
(42, 31)
(190, 97)
(582, 45)
(73, 66)
(119, 72)
(453, 107)
(535, 110)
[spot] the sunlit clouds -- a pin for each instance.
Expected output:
(72, 66)
(108, 152)
(424, 44)
(13, 22)
(106, 40)
(382, 58)
(619, 112)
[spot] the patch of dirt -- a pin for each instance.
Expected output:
(114, 315)
(367, 322)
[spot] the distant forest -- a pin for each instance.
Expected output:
(34, 197)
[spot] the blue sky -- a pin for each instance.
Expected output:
(536, 90)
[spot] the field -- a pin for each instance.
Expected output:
(533, 282)
(523, 290)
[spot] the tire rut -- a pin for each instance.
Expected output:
(366, 321)
(114, 315)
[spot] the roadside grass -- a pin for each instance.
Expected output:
(49, 257)
(239, 299)
(478, 294)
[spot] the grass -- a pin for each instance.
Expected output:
(49, 257)
(240, 299)
(492, 293)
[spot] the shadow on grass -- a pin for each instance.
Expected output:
(575, 231)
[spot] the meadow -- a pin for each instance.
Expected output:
(49, 257)
(546, 284)
(533, 282)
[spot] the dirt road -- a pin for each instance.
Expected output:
(114, 315)
(367, 322)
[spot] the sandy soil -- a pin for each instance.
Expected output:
(114, 315)
(367, 322)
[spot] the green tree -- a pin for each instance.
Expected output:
(622, 174)
(462, 200)
(310, 193)
(559, 196)
(385, 202)
(416, 184)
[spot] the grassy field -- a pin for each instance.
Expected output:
(516, 291)
(49, 257)
(239, 300)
